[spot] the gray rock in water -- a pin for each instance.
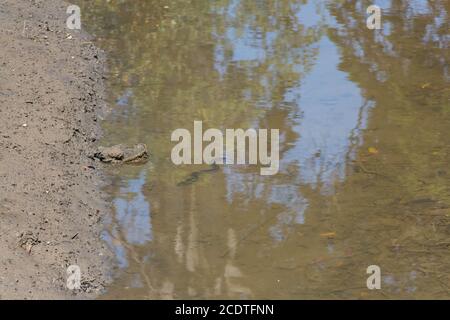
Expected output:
(120, 153)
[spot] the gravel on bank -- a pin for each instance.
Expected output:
(51, 203)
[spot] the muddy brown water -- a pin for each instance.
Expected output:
(364, 119)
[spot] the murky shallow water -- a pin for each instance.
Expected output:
(364, 118)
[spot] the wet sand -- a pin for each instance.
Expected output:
(51, 204)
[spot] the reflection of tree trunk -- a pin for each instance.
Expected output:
(134, 255)
(355, 135)
(232, 273)
(191, 250)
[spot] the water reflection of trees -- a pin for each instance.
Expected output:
(399, 215)
(232, 64)
(405, 69)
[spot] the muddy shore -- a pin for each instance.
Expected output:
(51, 203)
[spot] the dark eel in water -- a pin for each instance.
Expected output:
(194, 176)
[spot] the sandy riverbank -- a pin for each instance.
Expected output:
(51, 206)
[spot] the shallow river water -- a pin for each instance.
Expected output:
(364, 120)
